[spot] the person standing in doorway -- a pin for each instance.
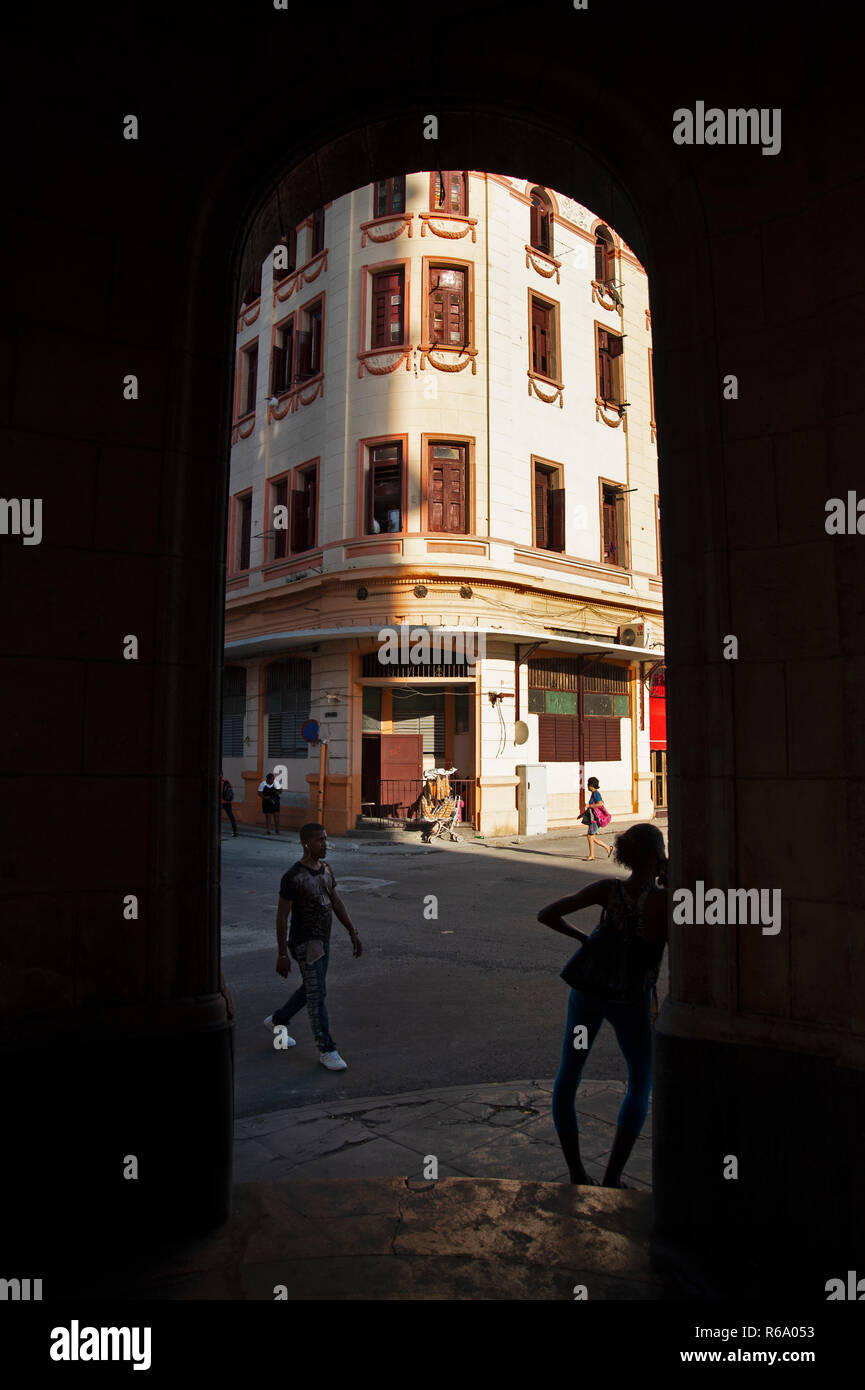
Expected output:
(613, 977)
(226, 796)
(269, 793)
(591, 821)
(307, 894)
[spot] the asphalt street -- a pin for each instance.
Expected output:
(471, 996)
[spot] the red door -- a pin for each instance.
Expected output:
(401, 769)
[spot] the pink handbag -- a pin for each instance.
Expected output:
(602, 814)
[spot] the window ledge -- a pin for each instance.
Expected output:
(369, 229)
(543, 263)
(468, 354)
(398, 351)
(462, 225)
(248, 314)
(303, 275)
(538, 383)
(604, 409)
(243, 426)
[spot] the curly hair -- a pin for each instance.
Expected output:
(639, 844)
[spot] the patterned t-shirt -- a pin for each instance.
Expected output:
(308, 891)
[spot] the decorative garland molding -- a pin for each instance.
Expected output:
(304, 275)
(534, 384)
(601, 407)
(303, 394)
(370, 230)
(545, 265)
(365, 360)
(455, 233)
(243, 429)
(468, 355)
(601, 295)
(248, 315)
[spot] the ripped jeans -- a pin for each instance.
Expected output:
(311, 994)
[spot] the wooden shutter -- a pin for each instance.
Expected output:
(602, 741)
(303, 355)
(447, 306)
(611, 528)
(540, 338)
(542, 485)
(277, 370)
(557, 519)
(315, 341)
(447, 483)
(387, 309)
(251, 379)
(299, 520)
(244, 532)
(558, 738)
(602, 270)
(610, 348)
(317, 240)
(535, 224)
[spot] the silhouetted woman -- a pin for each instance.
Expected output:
(613, 978)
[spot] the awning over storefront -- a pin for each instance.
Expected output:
(269, 643)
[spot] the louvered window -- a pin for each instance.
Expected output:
(233, 711)
(610, 348)
(286, 704)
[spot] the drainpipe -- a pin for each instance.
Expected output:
(487, 331)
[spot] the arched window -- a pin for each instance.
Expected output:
(541, 221)
(605, 256)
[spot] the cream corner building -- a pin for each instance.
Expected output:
(444, 425)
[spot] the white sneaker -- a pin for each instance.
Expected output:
(332, 1061)
(270, 1025)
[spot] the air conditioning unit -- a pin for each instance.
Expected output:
(634, 635)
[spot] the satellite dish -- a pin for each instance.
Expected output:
(521, 732)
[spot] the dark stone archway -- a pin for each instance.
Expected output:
(126, 258)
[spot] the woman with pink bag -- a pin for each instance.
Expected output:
(595, 818)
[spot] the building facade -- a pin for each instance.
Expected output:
(443, 541)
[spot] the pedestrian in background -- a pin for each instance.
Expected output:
(594, 818)
(226, 796)
(269, 793)
(613, 977)
(307, 894)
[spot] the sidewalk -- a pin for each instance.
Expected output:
(481, 1131)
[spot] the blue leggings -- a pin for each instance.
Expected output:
(633, 1028)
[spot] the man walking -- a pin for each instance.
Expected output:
(308, 894)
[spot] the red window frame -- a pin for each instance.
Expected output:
(383, 285)
(388, 196)
(449, 192)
